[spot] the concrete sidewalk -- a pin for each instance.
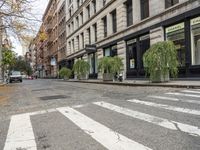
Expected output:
(136, 82)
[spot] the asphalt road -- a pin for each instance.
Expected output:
(57, 115)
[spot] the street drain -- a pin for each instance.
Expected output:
(36, 90)
(54, 97)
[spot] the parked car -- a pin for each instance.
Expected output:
(15, 76)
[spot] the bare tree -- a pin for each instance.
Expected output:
(17, 20)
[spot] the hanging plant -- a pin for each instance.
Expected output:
(161, 59)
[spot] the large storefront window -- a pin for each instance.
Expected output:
(195, 41)
(176, 33)
(132, 54)
(144, 46)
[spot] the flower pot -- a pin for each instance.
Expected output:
(160, 77)
(107, 77)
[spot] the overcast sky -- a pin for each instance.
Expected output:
(38, 9)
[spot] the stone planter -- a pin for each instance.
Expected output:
(159, 77)
(107, 77)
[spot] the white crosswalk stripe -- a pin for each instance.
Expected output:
(183, 94)
(167, 107)
(102, 134)
(190, 91)
(20, 134)
(169, 124)
(175, 99)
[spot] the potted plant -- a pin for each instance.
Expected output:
(81, 69)
(160, 61)
(109, 67)
(65, 73)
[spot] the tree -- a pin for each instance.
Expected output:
(8, 59)
(18, 18)
(22, 66)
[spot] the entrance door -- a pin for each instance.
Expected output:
(93, 65)
(132, 59)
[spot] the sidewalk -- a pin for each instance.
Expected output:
(187, 83)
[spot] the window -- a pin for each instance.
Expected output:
(72, 24)
(129, 12)
(89, 35)
(144, 9)
(78, 42)
(176, 33)
(88, 11)
(95, 31)
(114, 21)
(170, 3)
(195, 41)
(94, 5)
(77, 21)
(81, 14)
(78, 3)
(82, 39)
(110, 51)
(104, 2)
(73, 47)
(105, 26)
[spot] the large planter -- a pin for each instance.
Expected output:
(83, 77)
(107, 77)
(160, 77)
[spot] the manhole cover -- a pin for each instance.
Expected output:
(54, 97)
(35, 90)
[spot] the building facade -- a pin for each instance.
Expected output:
(127, 28)
(92, 29)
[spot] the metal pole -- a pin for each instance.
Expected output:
(1, 43)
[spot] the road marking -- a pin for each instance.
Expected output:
(169, 124)
(108, 138)
(175, 99)
(190, 91)
(20, 134)
(167, 107)
(183, 94)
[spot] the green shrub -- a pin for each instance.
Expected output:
(81, 68)
(162, 57)
(110, 65)
(65, 73)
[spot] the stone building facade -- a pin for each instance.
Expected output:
(92, 29)
(127, 28)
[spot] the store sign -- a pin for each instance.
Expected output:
(195, 21)
(175, 28)
(90, 48)
(53, 61)
(131, 41)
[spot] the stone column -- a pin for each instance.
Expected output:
(121, 50)
(156, 9)
(100, 30)
(99, 56)
(156, 35)
(109, 24)
(136, 11)
(121, 17)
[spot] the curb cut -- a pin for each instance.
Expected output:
(140, 85)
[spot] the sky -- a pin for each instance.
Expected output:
(38, 10)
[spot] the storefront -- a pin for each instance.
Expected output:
(186, 37)
(136, 47)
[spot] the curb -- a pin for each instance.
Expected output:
(141, 85)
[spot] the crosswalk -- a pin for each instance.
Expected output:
(21, 135)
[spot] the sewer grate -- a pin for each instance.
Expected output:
(54, 97)
(47, 89)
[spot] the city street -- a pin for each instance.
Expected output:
(55, 115)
